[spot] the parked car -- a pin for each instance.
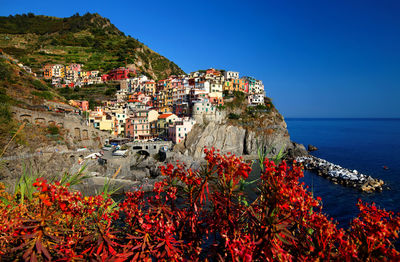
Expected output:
(119, 152)
(107, 148)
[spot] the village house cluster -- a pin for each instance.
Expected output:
(71, 75)
(145, 109)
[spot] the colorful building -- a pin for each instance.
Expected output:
(58, 71)
(164, 121)
(138, 125)
(178, 131)
(48, 71)
(116, 74)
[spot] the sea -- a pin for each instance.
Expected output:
(366, 145)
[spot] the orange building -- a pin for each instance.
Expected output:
(228, 86)
(48, 71)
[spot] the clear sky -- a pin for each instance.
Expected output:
(318, 58)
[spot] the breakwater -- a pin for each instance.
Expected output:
(341, 175)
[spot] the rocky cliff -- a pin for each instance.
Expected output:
(242, 136)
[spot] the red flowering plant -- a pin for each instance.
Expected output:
(192, 215)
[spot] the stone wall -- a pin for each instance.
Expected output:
(150, 147)
(78, 131)
(217, 116)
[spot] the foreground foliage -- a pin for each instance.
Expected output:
(210, 219)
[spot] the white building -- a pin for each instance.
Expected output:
(256, 99)
(137, 84)
(231, 75)
(259, 87)
(202, 107)
(121, 95)
(203, 85)
(179, 130)
(58, 70)
(216, 87)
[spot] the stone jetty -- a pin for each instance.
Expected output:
(340, 175)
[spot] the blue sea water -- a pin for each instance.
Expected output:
(362, 144)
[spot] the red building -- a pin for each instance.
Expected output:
(116, 74)
(129, 128)
(181, 109)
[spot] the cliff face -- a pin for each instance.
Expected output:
(243, 137)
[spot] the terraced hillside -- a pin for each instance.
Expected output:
(90, 39)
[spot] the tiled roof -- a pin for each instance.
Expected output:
(164, 116)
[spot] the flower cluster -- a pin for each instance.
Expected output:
(193, 215)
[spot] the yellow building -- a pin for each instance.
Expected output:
(164, 121)
(228, 86)
(58, 71)
(150, 87)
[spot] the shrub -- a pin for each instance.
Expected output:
(233, 116)
(191, 215)
(43, 94)
(261, 107)
(5, 70)
(53, 130)
(110, 91)
(39, 85)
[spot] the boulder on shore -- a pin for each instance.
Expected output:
(311, 148)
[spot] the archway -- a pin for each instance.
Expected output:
(40, 121)
(85, 134)
(143, 153)
(26, 118)
(77, 133)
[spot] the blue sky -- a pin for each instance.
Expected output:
(316, 58)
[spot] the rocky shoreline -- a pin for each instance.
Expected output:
(341, 175)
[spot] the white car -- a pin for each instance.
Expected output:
(119, 152)
(93, 156)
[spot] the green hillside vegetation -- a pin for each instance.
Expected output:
(89, 39)
(239, 113)
(22, 88)
(94, 93)
(18, 88)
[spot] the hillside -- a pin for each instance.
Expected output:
(21, 89)
(90, 40)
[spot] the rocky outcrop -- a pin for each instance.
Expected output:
(340, 175)
(268, 133)
(311, 148)
(225, 137)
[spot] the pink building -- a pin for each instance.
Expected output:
(75, 67)
(179, 130)
(138, 125)
(84, 105)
